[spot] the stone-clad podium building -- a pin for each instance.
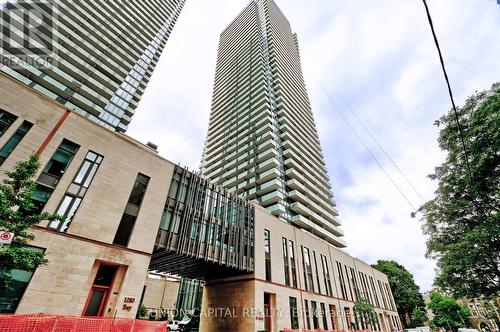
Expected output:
(126, 211)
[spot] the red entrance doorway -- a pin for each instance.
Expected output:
(268, 317)
(100, 290)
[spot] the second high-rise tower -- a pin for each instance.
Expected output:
(262, 141)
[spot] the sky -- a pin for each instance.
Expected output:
(376, 60)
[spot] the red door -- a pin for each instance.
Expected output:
(268, 319)
(96, 301)
(99, 292)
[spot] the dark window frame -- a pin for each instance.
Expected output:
(76, 198)
(120, 238)
(314, 308)
(323, 315)
(64, 150)
(294, 313)
(307, 267)
(286, 265)
(7, 119)
(22, 291)
(326, 275)
(16, 137)
(267, 254)
(293, 263)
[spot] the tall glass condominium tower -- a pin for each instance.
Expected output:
(262, 141)
(105, 51)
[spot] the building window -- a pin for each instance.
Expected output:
(294, 314)
(19, 280)
(390, 300)
(61, 159)
(382, 321)
(14, 140)
(349, 323)
(363, 294)
(76, 191)
(333, 317)
(306, 265)
(349, 283)
(53, 171)
(285, 261)
(307, 314)
(394, 322)
(40, 196)
(366, 288)
(289, 263)
(291, 253)
(343, 289)
(323, 316)
(139, 189)
(326, 276)
(377, 322)
(374, 291)
(6, 120)
(354, 282)
(317, 272)
(314, 309)
(473, 310)
(382, 293)
(179, 188)
(267, 252)
(127, 223)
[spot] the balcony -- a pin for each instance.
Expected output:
(308, 225)
(320, 221)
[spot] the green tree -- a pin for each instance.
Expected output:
(365, 315)
(404, 289)
(142, 311)
(418, 316)
(17, 215)
(448, 313)
(462, 221)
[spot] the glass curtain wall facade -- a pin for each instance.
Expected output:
(189, 297)
(104, 51)
(205, 232)
(262, 141)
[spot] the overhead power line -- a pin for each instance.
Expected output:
(366, 147)
(373, 138)
(460, 131)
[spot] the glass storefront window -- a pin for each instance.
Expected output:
(10, 298)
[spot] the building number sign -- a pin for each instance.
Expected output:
(128, 302)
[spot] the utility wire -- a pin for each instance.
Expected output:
(461, 133)
(373, 138)
(366, 147)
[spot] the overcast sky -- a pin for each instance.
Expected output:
(380, 58)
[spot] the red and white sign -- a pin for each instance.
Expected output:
(6, 237)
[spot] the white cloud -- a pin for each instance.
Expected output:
(381, 57)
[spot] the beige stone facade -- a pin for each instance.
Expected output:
(246, 294)
(74, 256)
(63, 285)
(160, 293)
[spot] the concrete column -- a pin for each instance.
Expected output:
(228, 305)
